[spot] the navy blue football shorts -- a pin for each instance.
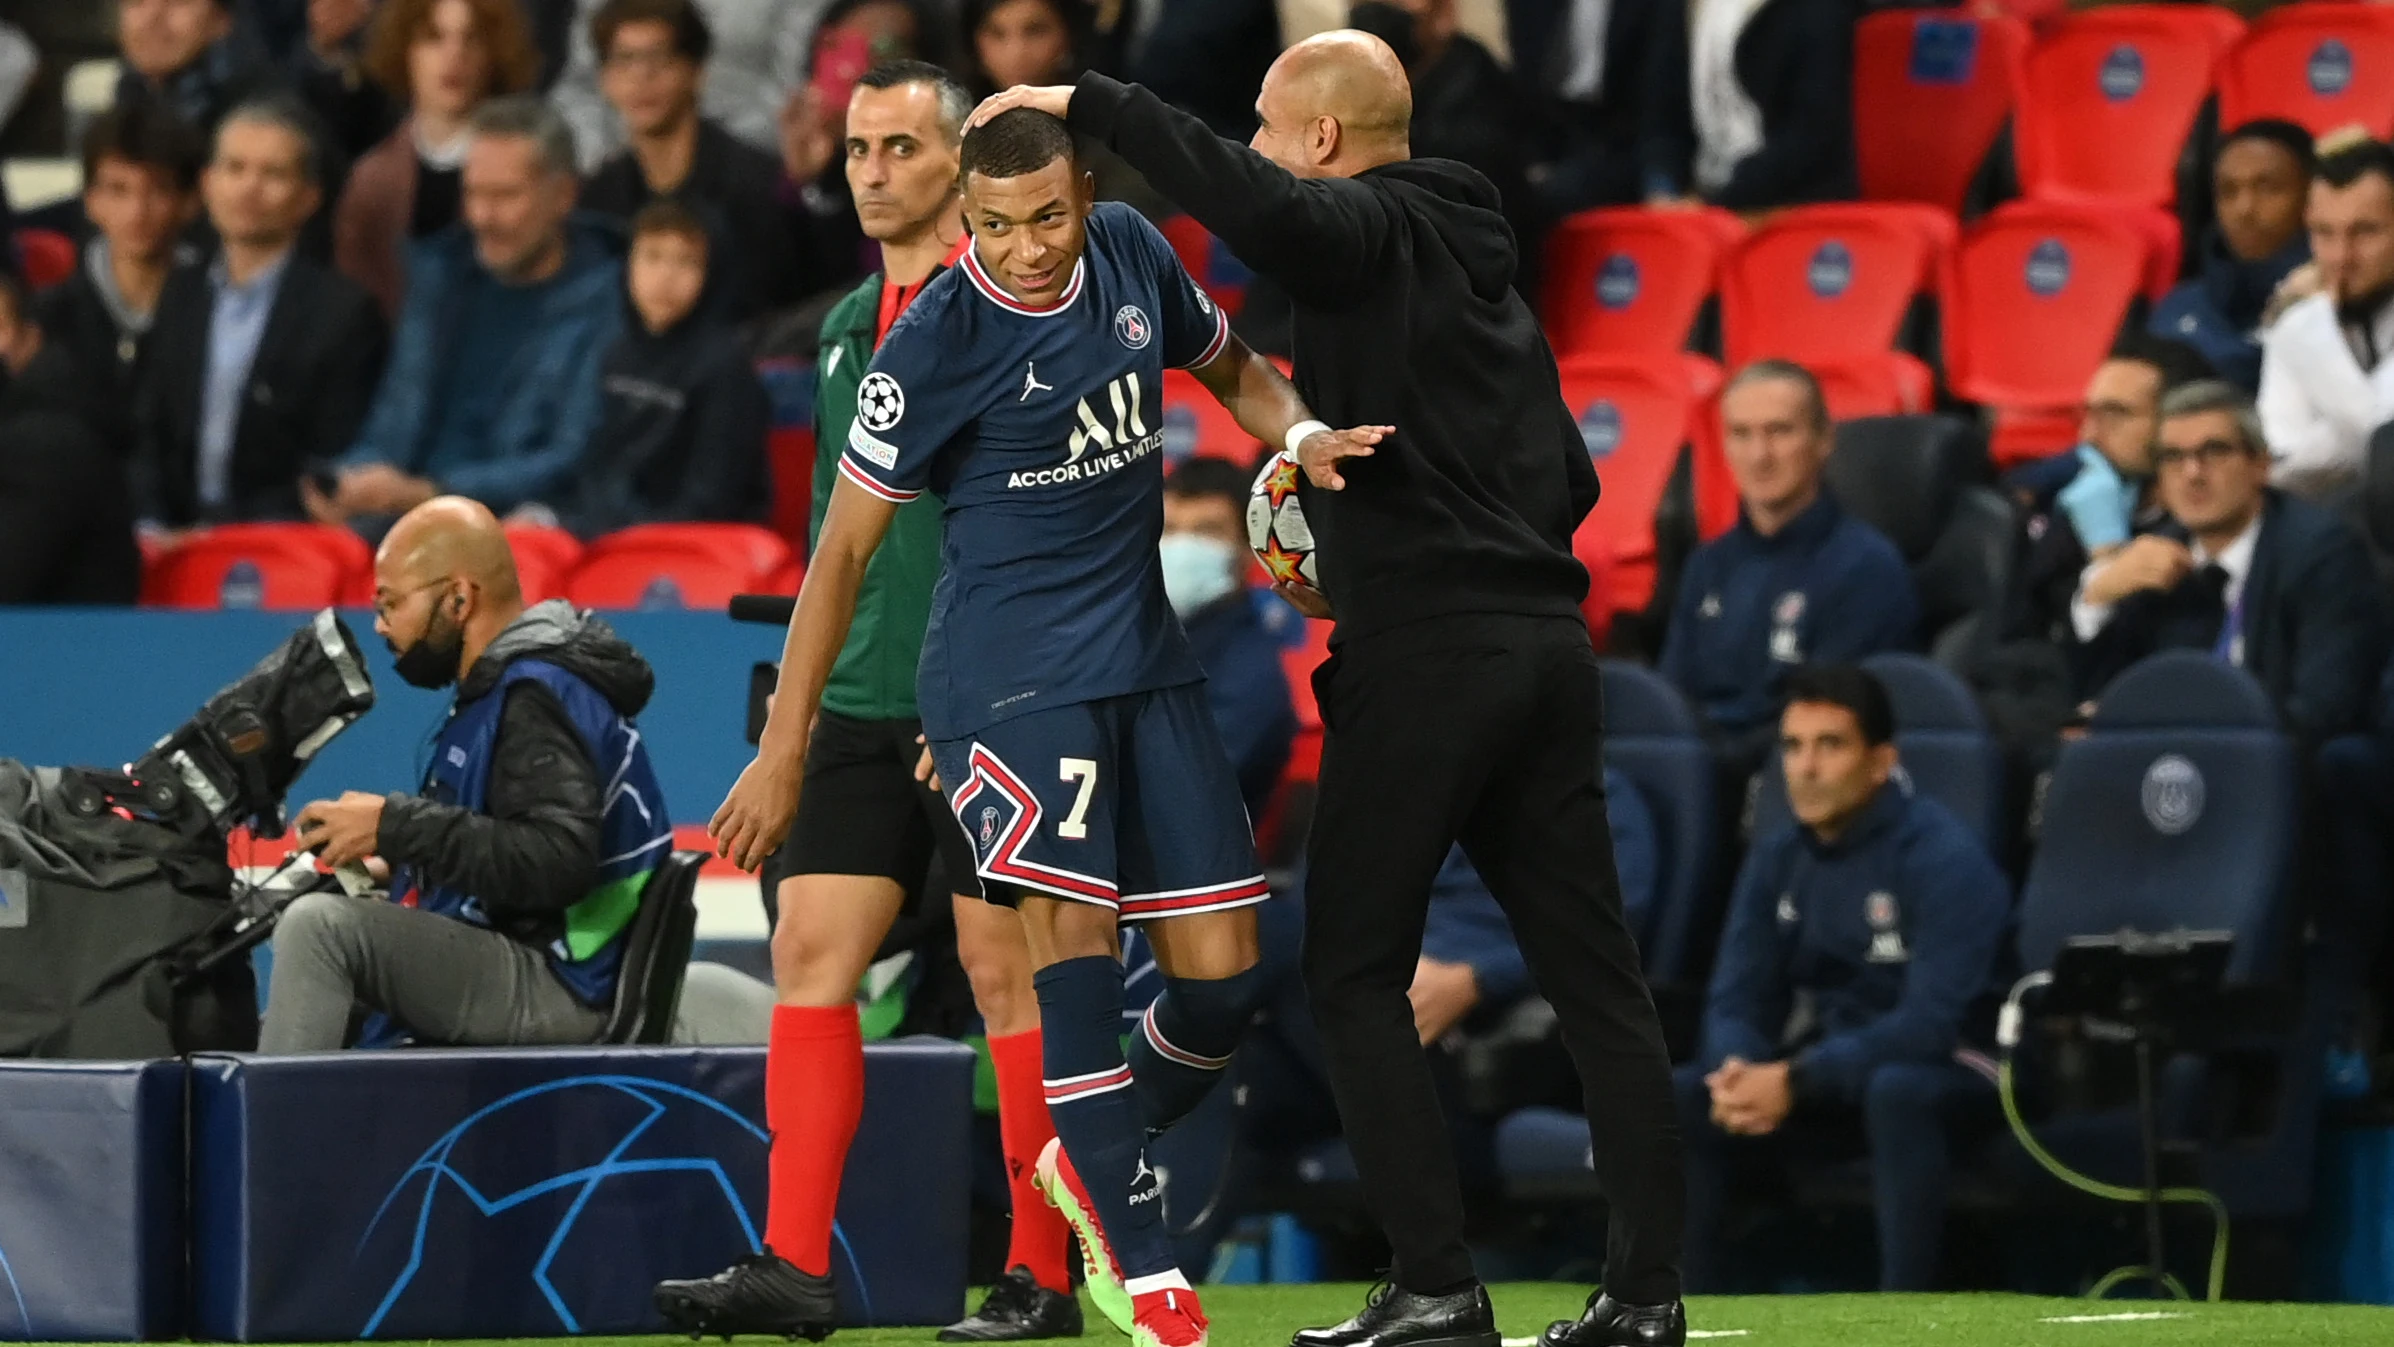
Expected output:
(1128, 802)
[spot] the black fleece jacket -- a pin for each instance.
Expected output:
(534, 849)
(1405, 316)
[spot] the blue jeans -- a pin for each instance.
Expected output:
(1909, 1119)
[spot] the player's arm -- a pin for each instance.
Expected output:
(756, 815)
(1268, 407)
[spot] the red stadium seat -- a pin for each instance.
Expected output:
(1202, 256)
(744, 549)
(2320, 65)
(1931, 93)
(47, 256)
(1889, 383)
(786, 580)
(1636, 413)
(1831, 282)
(664, 573)
(2112, 95)
(1632, 279)
(1597, 607)
(1196, 426)
(273, 566)
(544, 558)
(2039, 296)
(791, 452)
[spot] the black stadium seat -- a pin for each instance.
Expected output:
(656, 953)
(1921, 481)
(1651, 737)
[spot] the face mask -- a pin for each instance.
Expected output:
(1197, 571)
(432, 662)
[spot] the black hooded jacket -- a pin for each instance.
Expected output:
(681, 433)
(535, 852)
(1405, 316)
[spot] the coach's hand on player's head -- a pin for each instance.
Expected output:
(1321, 452)
(755, 817)
(1053, 99)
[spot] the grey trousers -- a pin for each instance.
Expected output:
(444, 980)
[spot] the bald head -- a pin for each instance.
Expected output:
(1335, 105)
(449, 538)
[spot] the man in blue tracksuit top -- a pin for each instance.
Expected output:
(1854, 992)
(515, 873)
(1797, 580)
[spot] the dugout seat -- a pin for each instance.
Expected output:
(2111, 96)
(1638, 416)
(1197, 426)
(2177, 812)
(2039, 297)
(1941, 737)
(2320, 65)
(1834, 282)
(1932, 92)
(1889, 383)
(1921, 481)
(1632, 279)
(656, 953)
(271, 566)
(1652, 737)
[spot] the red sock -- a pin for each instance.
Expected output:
(814, 1097)
(1041, 1240)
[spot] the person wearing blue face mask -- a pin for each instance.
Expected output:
(1205, 561)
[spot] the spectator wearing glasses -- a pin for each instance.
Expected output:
(2259, 578)
(758, 62)
(653, 61)
(266, 359)
(2259, 179)
(442, 59)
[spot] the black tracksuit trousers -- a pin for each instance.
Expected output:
(1486, 729)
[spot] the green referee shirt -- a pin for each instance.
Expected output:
(874, 678)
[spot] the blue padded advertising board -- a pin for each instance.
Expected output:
(91, 1200)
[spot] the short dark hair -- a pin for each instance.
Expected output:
(2176, 362)
(1013, 143)
(1851, 686)
(2286, 135)
(287, 115)
(1775, 370)
(147, 134)
(2346, 157)
(1211, 477)
(668, 216)
(693, 41)
(955, 101)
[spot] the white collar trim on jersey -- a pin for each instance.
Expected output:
(991, 291)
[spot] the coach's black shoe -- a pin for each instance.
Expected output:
(1609, 1323)
(1019, 1309)
(762, 1293)
(1396, 1317)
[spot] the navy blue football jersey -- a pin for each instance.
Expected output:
(1042, 431)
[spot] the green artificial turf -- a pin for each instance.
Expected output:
(1264, 1316)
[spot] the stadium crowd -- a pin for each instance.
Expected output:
(335, 259)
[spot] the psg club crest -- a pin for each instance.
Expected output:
(1886, 929)
(880, 403)
(989, 819)
(1131, 325)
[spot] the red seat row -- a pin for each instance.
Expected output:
(2102, 101)
(303, 566)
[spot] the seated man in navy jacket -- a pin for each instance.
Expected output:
(1858, 972)
(2272, 584)
(1797, 580)
(2259, 180)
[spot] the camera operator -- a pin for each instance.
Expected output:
(516, 871)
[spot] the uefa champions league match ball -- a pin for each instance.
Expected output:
(1276, 528)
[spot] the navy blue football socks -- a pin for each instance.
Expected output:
(1186, 1039)
(1096, 1112)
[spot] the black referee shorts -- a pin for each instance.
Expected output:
(861, 812)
